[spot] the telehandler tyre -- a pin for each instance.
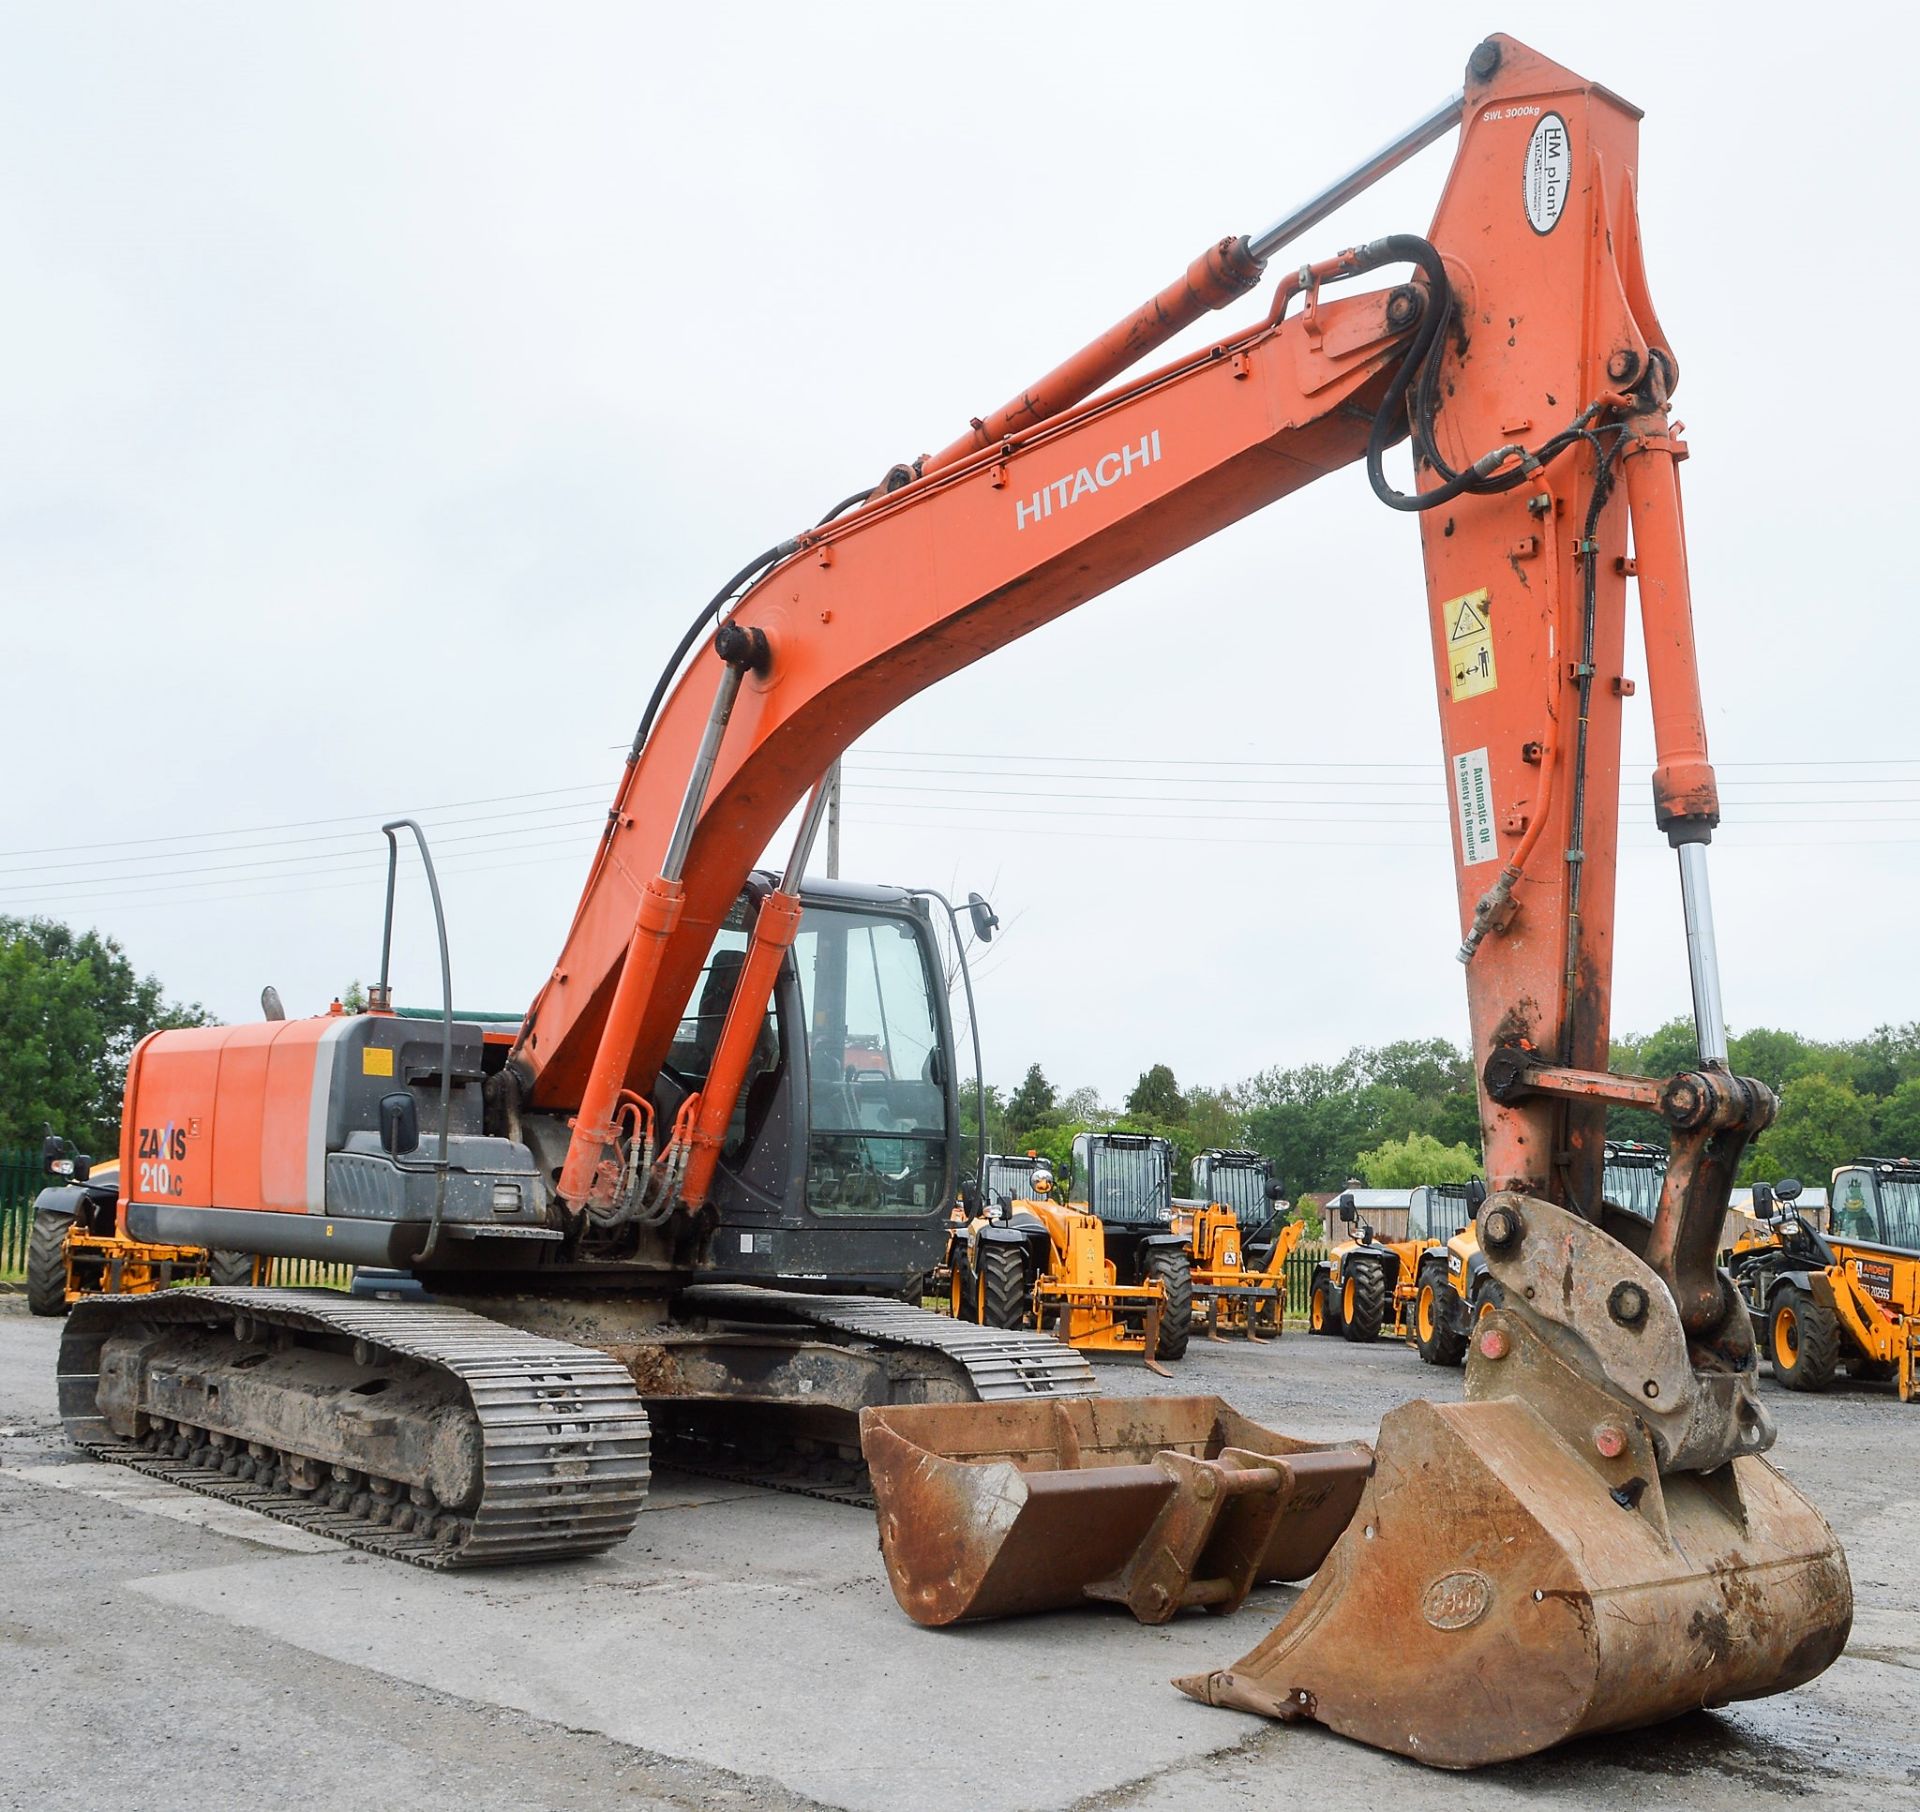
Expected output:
(1173, 1271)
(1323, 1313)
(1003, 1286)
(1363, 1303)
(1804, 1338)
(230, 1270)
(1439, 1320)
(47, 1261)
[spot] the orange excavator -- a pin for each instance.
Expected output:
(705, 1168)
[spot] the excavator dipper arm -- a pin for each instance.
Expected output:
(1592, 1540)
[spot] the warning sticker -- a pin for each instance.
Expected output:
(1473, 803)
(1469, 626)
(375, 1062)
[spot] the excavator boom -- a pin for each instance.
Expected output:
(1592, 1539)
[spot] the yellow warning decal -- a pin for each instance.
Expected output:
(1469, 626)
(375, 1061)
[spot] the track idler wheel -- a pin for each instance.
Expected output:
(1505, 1585)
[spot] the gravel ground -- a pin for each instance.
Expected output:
(742, 1649)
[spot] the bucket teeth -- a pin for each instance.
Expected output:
(1495, 1595)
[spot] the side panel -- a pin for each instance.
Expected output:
(192, 1141)
(242, 1086)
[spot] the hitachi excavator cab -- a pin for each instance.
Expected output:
(839, 1163)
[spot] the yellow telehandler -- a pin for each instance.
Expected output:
(1847, 1296)
(1239, 1243)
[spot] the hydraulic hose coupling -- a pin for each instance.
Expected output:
(1492, 914)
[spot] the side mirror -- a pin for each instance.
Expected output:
(1763, 1199)
(1348, 1213)
(59, 1159)
(1276, 1192)
(399, 1123)
(970, 1203)
(985, 921)
(1787, 1188)
(1476, 1194)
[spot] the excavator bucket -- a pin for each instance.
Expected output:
(1504, 1586)
(1160, 1504)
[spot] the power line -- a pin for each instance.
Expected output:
(1815, 761)
(249, 830)
(1426, 779)
(365, 883)
(882, 786)
(1329, 773)
(1650, 846)
(162, 882)
(360, 835)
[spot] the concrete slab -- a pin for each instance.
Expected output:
(755, 1633)
(132, 1491)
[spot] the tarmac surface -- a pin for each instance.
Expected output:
(742, 1650)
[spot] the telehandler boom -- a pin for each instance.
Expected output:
(1593, 1539)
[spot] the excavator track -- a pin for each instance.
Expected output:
(563, 1456)
(1000, 1366)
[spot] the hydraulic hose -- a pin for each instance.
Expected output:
(1423, 359)
(753, 568)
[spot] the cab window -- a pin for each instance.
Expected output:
(877, 1139)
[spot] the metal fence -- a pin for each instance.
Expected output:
(1299, 1273)
(22, 1177)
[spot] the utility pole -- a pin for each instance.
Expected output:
(833, 822)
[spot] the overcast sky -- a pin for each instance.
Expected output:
(387, 385)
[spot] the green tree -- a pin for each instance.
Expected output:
(1304, 1119)
(1418, 1158)
(970, 1119)
(1315, 1120)
(1032, 1103)
(71, 1011)
(1429, 1068)
(1157, 1096)
(1888, 1057)
(1083, 1107)
(1822, 1123)
(1896, 1127)
(1212, 1117)
(354, 996)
